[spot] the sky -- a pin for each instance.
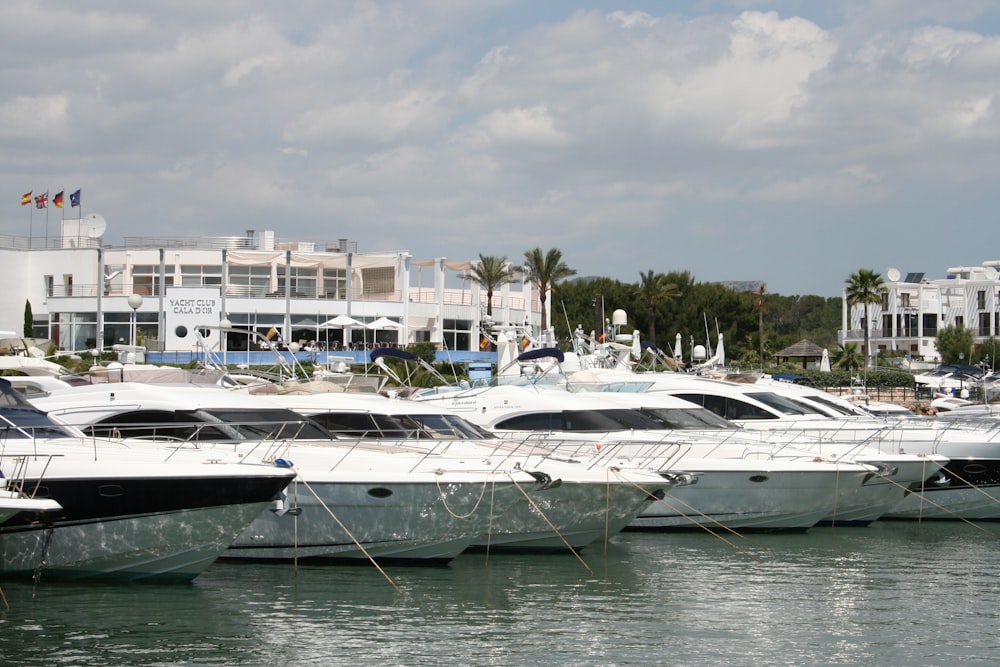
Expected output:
(789, 142)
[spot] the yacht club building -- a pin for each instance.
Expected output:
(914, 308)
(85, 295)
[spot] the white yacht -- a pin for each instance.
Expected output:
(740, 483)
(118, 512)
(586, 500)
(497, 498)
(962, 462)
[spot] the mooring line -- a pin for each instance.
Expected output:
(554, 529)
(444, 501)
(350, 534)
(701, 525)
(924, 498)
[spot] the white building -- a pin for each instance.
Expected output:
(915, 308)
(85, 295)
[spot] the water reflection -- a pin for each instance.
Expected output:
(892, 594)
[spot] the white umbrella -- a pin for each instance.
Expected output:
(824, 362)
(383, 323)
(342, 321)
(345, 322)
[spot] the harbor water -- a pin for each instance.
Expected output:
(889, 594)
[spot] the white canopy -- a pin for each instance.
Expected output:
(342, 321)
(384, 323)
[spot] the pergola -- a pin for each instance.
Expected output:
(804, 349)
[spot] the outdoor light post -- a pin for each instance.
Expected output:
(134, 302)
(224, 326)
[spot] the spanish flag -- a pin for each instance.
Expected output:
(57, 200)
(525, 342)
(25, 199)
(484, 343)
(271, 334)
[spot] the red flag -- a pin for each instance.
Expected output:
(26, 198)
(42, 201)
(57, 200)
(484, 343)
(525, 342)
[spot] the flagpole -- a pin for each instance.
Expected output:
(46, 218)
(31, 223)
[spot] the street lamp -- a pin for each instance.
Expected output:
(134, 302)
(224, 326)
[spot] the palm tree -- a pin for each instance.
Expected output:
(654, 290)
(847, 357)
(491, 272)
(865, 287)
(545, 270)
(760, 305)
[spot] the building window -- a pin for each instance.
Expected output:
(49, 286)
(904, 300)
(930, 324)
(302, 282)
(249, 280)
(458, 334)
(887, 325)
(981, 299)
(201, 276)
(145, 279)
(959, 321)
(378, 280)
(335, 283)
(984, 324)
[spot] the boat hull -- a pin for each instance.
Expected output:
(138, 530)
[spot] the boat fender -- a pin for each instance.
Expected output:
(283, 463)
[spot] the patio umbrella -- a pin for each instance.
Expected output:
(824, 362)
(344, 322)
(383, 323)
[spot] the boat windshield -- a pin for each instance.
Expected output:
(782, 404)
(682, 418)
(30, 423)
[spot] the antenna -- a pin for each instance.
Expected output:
(893, 274)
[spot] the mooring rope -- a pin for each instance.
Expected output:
(554, 529)
(349, 534)
(703, 526)
(444, 501)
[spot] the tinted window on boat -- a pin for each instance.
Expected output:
(536, 421)
(269, 424)
(361, 425)
(695, 418)
(728, 408)
(159, 425)
(783, 405)
(449, 427)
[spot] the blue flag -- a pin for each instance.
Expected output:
(74, 199)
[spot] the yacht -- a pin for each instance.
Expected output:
(117, 512)
(961, 461)
(403, 497)
(741, 483)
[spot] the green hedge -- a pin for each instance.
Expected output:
(844, 378)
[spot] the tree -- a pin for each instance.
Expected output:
(865, 288)
(545, 270)
(954, 344)
(847, 357)
(490, 273)
(29, 320)
(654, 289)
(760, 305)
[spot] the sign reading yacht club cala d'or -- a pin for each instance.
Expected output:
(187, 309)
